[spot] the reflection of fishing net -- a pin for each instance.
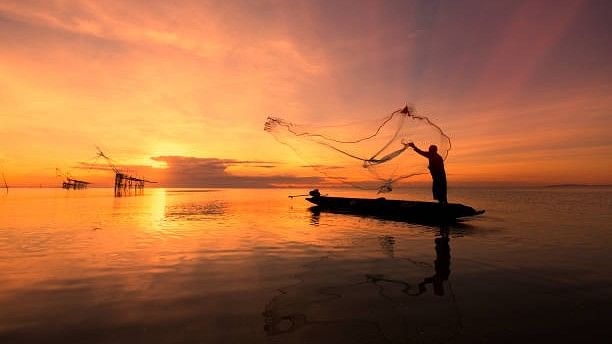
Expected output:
(371, 155)
(343, 300)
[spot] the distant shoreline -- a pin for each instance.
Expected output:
(579, 186)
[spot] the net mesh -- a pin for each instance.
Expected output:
(371, 154)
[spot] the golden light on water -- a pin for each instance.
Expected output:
(158, 207)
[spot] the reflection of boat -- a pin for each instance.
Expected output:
(427, 212)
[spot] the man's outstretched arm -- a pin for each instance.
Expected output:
(416, 149)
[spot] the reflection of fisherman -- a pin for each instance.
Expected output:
(442, 267)
(436, 168)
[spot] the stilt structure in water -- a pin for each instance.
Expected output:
(5, 184)
(125, 184)
(74, 184)
(71, 183)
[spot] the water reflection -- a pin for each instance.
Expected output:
(456, 229)
(441, 264)
(124, 192)
(387, 243)
(194, 211)
(97, 269)
(158, 206)
(315, 217)
(347, 299)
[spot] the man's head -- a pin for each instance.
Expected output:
(433, 149)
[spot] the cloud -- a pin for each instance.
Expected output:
(322, 167)
(198, 79)
(118, 21)
(185, 171)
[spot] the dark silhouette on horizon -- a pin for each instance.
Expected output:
(436, 169)
(69, 182)
(5, 183)
(124, 183)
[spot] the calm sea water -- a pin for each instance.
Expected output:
(253, 266)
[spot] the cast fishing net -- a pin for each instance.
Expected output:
(370, 155)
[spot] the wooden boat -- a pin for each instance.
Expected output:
(416, 211)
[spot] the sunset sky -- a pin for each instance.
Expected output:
(180, 90)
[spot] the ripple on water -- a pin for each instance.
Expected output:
(253, 266)
(195, 211)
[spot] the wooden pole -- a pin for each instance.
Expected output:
(5, 184)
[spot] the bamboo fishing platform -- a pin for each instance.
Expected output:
(126, 184)
(74, 184)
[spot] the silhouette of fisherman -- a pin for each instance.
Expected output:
(436, 168)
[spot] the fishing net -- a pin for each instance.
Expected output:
(370, 155)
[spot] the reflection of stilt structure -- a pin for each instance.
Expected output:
(74, 184)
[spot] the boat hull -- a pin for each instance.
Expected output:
(427, 212)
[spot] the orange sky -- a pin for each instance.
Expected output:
(523, 88)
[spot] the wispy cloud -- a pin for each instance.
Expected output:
(198, 78)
